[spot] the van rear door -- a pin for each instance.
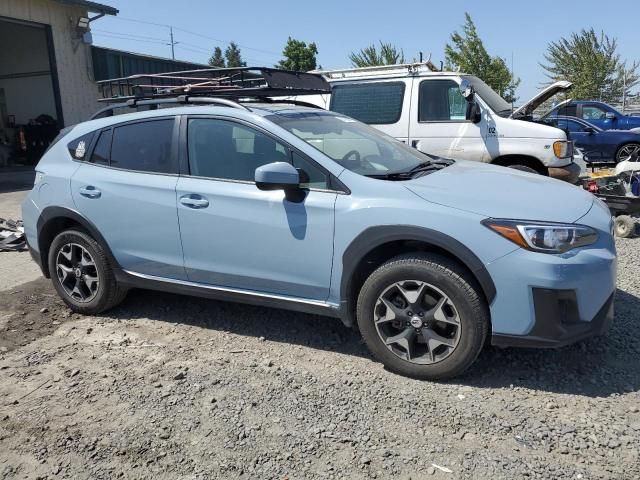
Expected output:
(381, 103)
(438, 125)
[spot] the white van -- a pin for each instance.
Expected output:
(452, 115)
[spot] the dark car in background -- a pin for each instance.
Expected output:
(597, 113)
(596, 144)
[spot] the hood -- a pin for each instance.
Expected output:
(544, 95)
(501, 192)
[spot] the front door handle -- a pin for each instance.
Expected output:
(193, 200)
(90, 192)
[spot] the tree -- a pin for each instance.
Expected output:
(469, 55)
(232, 54)
(591, 63)
(217, 60)
(298, 56)
(370, 57)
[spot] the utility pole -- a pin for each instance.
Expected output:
(173, 53)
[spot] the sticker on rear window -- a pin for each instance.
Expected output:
(80, 149)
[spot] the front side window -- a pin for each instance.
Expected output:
(591, 112)
(441, 101)
(228, 150)
(351, 144)
(372, 103)
(144, 146)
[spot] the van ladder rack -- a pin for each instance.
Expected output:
(404, 68)
(231, 83)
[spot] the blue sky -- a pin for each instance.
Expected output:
(521, 28)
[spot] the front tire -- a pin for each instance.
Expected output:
(422, 316)
(627, 152)
(624, 226)
(82, 274)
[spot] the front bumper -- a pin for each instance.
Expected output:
(557, 322)
(569, 173)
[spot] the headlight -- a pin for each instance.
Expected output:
(563, 149)
(543, 237)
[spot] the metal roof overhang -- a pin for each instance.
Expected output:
(92, 6)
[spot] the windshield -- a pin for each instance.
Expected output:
(352, 144)
(490, 97)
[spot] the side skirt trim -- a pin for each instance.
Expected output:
(141, 280)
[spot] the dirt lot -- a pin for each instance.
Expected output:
(177, 387)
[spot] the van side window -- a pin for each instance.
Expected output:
(440, 101)
(144, 146)
(373, 103)
(102, 150)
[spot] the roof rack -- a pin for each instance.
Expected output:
(404, 68)
(235, 83)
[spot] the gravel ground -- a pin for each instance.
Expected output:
(178, 387)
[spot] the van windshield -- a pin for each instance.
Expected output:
(352, 144)
(495, 102)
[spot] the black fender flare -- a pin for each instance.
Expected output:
(50, 215)
(374, 237)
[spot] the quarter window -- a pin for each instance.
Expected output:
(312, 176)
(102, 150)
(80, 146)
(372, 103)
(441, 101)
(144, 146)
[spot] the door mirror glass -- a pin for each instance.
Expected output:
(466, 89)
(277, 176)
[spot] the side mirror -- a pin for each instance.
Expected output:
(610, 116)
(473, 112)
(277, 176)
(466, 90)
(589, 130)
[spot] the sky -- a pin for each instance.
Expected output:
(521, 29)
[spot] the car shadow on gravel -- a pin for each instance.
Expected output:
(598, 367)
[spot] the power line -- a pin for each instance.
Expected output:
(155, 42)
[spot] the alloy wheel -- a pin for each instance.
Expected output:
(627, 152)
(417, 322)
(76, 270)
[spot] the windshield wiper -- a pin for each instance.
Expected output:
(419, 170)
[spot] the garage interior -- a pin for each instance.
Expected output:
(30, 111)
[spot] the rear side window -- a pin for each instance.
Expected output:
(372, 103)
(441, 101)
(102, 150)
(567, 111)
(78, 148)
(144, 146)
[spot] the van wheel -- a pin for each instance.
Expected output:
(524, 168)
(81, 273)
(422, 316)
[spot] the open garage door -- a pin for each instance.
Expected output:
(30, 108)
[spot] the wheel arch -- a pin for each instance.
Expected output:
(52, 221)
(376, 245)
(526, 160)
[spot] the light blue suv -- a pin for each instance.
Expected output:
(287, 206)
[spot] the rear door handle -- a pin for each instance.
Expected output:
(90, 192)
(193, 200)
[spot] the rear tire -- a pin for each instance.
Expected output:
(82, 274)
(626, 152)
(445, 334)
(624, 226)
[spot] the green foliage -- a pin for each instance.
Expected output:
(298, 56)
(591, 63)
(370, 57)
(232, 54)
(468, 54)
(217, 60)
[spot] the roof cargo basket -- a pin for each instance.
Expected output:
(232, 83)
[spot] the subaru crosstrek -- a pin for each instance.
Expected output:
(288, 206)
